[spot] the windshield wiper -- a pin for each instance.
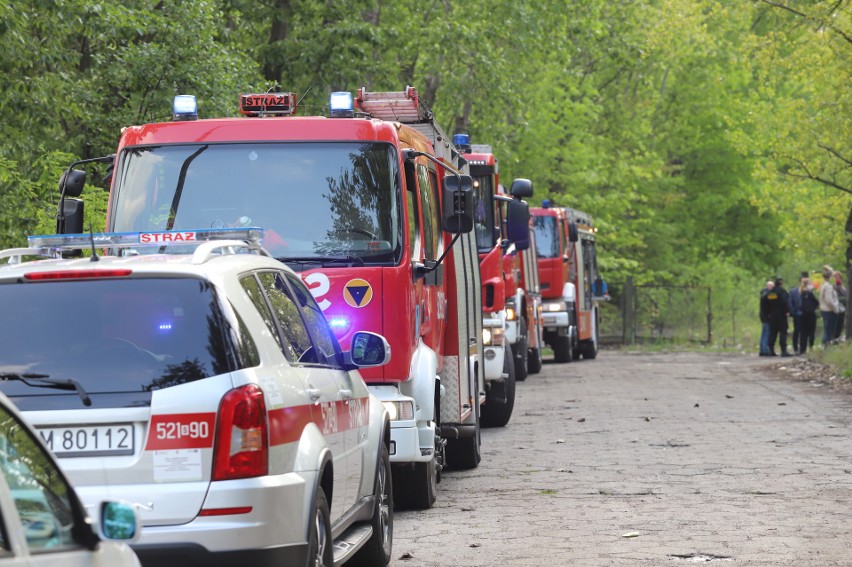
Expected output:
(45, 381)
(322, 260)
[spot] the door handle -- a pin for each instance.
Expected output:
(345, 394)
(313, 394)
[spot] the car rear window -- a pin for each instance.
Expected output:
(119, 339)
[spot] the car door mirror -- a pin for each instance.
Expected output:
(368, 350)
(118, 522)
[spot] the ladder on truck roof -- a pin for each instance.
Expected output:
(406, 108)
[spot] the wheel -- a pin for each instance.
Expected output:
(319, 540)
(415, 487)
(377, 551)
(519, 352)
(563, 350)
(534, 361)
(589, 349)
(500, 399)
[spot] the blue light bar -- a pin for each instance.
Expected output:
(341, 105)
(185, 107)
(461, 140)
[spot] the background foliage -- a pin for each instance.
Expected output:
(709, 139)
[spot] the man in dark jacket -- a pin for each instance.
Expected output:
(776, 306)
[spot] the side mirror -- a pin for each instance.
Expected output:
(573, 235)
(73, 182)
(521, 188)
(72, 209)
(457, 206)
(569, 293)
(518, 223)
(118, 522)
(368, 350)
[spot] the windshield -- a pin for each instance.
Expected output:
(546, 237)
(119, 339)
(314, 200)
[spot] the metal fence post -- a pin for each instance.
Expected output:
(629, 314)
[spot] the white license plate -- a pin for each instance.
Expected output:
(549, 320)
(90, 440)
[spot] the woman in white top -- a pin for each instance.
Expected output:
(828, 305)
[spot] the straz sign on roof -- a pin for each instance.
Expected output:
(269, 103)
(166, 237)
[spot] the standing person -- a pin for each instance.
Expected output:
(840, 289)
(828, 305)
(779, 310)
(796, 311)
(764, 320)
(807, 324)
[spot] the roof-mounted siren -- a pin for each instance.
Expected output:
(268, 104)
(184, 107)
(462, 142)
(341, 105)
(400, 106)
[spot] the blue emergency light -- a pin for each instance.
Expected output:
(461, 139)
(341, 105)
(185, 107)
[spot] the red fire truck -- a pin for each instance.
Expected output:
(372, 206)
(504, 300)
(570, 285)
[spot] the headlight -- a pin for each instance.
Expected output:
(400, 411)
(511, 314)
(555, 306)
(492, 336)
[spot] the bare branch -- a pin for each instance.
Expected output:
(836, 154)
(812, 177)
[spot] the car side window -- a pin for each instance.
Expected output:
(294, 333)
(252, 289)
(41, 494)
(316, 322)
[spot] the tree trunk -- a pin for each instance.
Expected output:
(848, 271)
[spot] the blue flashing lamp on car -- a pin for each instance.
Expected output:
(341, 105)
(185, 107)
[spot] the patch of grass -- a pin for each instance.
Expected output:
(547, 491)
(839, 356)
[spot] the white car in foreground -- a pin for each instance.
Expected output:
(42, 522)
(202, 384)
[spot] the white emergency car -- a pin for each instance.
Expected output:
(42, 522)
(203, 385)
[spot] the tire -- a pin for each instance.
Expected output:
(500, 399)
(519, 352)
(589, 349)
(377, 551)
(534, 361)
(320, 545)
(415, 487)
(563, 350)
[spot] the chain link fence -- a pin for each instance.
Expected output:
(655, 313)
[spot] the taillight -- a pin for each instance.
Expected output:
(241, 449)
(76, 274)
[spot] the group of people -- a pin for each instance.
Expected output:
(802, 303)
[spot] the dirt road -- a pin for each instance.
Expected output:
(650, 459)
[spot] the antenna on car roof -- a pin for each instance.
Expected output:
(95, 257)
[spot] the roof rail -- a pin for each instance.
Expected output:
(16, 255)
(206, 243)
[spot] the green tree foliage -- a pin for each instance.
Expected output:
(709, 139)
